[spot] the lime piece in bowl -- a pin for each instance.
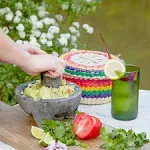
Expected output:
(38, 133)
(114, 69)
(46, 140)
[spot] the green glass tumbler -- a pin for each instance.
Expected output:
(125, 93)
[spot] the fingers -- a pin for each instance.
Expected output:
(32, 49)
(52, 74)
(31, 73)
(57, 73)
(35, 51)
(62, 62)
(59, 66)
(57, 69)
(54, 66)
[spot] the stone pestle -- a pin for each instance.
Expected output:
(50, 82)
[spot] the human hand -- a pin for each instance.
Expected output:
(54, 66)
(32, 50)
(39, 61)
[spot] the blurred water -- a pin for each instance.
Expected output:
(125, 25)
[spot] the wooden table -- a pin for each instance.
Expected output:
(15, 128)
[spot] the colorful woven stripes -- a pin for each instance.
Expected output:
(84, 73)
(96, 94)
(90, 83)
(93, 88)
(89, 76)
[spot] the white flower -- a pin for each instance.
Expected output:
(72, 29)
(20, 27)
(50, 35)
(77, 33)
(7, 10)
(88, 28)
(73, 50)
(88, 1)
(43, 40)
(25, 42)
(65, 50)
(16, 19)
(9, 16)
(76, 24)
(43, 36)
(19, 5)
(38, 25)
(53, 29)
(59, 17)
(63, 41)
(6, 30)
(56, 24)
(49, 43)
(22, 34)
(31, 35)
(67, 35)
(85, 26)
(49, 21)
(74, 45)
(38, 45)
(65, 6)
(18, 13)
(55, 54)
(33, 18)
(19, 42)
(2, 11)
(32, 38)
(73, 39)
(42, 13)
(41, 7)
(36, 33)
(34, 43)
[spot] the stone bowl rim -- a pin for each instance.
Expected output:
(19, 89)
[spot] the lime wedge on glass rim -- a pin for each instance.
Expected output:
(114, 69)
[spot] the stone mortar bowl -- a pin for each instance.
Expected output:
(56, 109)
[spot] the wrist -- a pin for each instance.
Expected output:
(22, 58)
(12, 53)
(17, 56)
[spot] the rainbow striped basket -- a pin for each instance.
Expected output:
(85, 68)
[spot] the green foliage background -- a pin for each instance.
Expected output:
(11, 75)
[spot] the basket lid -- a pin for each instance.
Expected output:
(86, 59)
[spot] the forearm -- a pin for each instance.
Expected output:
(10, 52)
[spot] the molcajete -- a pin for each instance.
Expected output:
(56, 109)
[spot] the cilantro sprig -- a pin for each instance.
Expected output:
(120, 139)
(62, 131)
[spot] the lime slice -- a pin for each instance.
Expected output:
(37, 132)
(46, 140)
(114, 69)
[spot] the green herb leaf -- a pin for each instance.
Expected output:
(83, 145)
(62, 131)
(120, 139)
(59, 132)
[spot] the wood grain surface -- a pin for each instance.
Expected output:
(15, 128)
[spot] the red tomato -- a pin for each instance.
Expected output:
(97, 126)
(78, 118)
(84, 127)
